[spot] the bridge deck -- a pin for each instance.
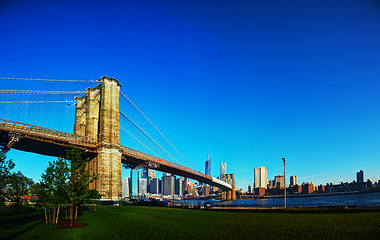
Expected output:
(54, 143)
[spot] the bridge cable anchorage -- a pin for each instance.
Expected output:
(66, 101)
(157, 129)
(148, 136)
(48, 80)
(140, 141)
(39, 92)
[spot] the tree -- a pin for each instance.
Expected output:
(66, 182)
(53, 188)
(80, 179)
(5, 167)
(19, 186)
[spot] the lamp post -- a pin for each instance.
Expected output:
(284, 160)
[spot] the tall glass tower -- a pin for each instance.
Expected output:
(208, 166)
(134, 187)
(223, 169)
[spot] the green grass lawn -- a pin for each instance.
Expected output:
(132, 222)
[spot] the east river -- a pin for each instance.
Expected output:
(352, 200)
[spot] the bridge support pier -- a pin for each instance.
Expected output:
(230, 194)
(109, 169)
(97, 117)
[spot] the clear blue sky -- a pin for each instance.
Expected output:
(249, 82)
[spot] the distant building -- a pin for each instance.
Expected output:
(143, 186)
(134, 186)
(260, 191)
(223, 169)
(168, 185)
(146, 173)
(360, 176)
(321, 188)
(348, 187)
(294, 189)
(271, 184)
(307, 188)
(184, 187)
(154, 186)
(205, 190)
(178, 187)
(293, 180)
(249, 189)
(125, 187)
(208, 166)
(279, 181)
(260, 176)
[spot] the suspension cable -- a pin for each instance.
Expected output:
(47, 80)
(66, 101)
(39, 92)
(157, 129)
(148, 136)
(140, 141)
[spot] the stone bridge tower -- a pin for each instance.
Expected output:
(97, 117)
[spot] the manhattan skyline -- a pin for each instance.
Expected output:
(248, 82)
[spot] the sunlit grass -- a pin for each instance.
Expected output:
(133, 222)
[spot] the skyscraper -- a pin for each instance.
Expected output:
(134, 186)
(260, 177)
(143, 185)
(223, 169)
(360, 176)
(154, 186)
(208, 166)
(146, 172)
(125, 187)
(293, 180)
(168, 185)
(178, 187)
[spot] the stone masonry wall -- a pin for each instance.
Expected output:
(97, 117)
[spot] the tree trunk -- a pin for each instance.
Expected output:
(45, 216)
(72, 215)
(51, 215)
(54, 213)
(56, 220)
(76, 212)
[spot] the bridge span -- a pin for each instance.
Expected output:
(50, 142)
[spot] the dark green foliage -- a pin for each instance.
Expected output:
(53, 188)
(66, 183)
(18, 187)
(5, 167)
(80, 179)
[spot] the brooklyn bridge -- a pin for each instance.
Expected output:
(97, 135)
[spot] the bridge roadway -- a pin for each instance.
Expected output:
(29, 138)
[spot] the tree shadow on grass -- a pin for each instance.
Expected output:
(20, 221)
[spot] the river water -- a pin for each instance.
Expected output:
(359, 200)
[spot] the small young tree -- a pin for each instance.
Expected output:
(53, 189)
(5, 167)
(80, 179)
(66, 181)
(19, 186)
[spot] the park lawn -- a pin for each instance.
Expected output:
(133, 222)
